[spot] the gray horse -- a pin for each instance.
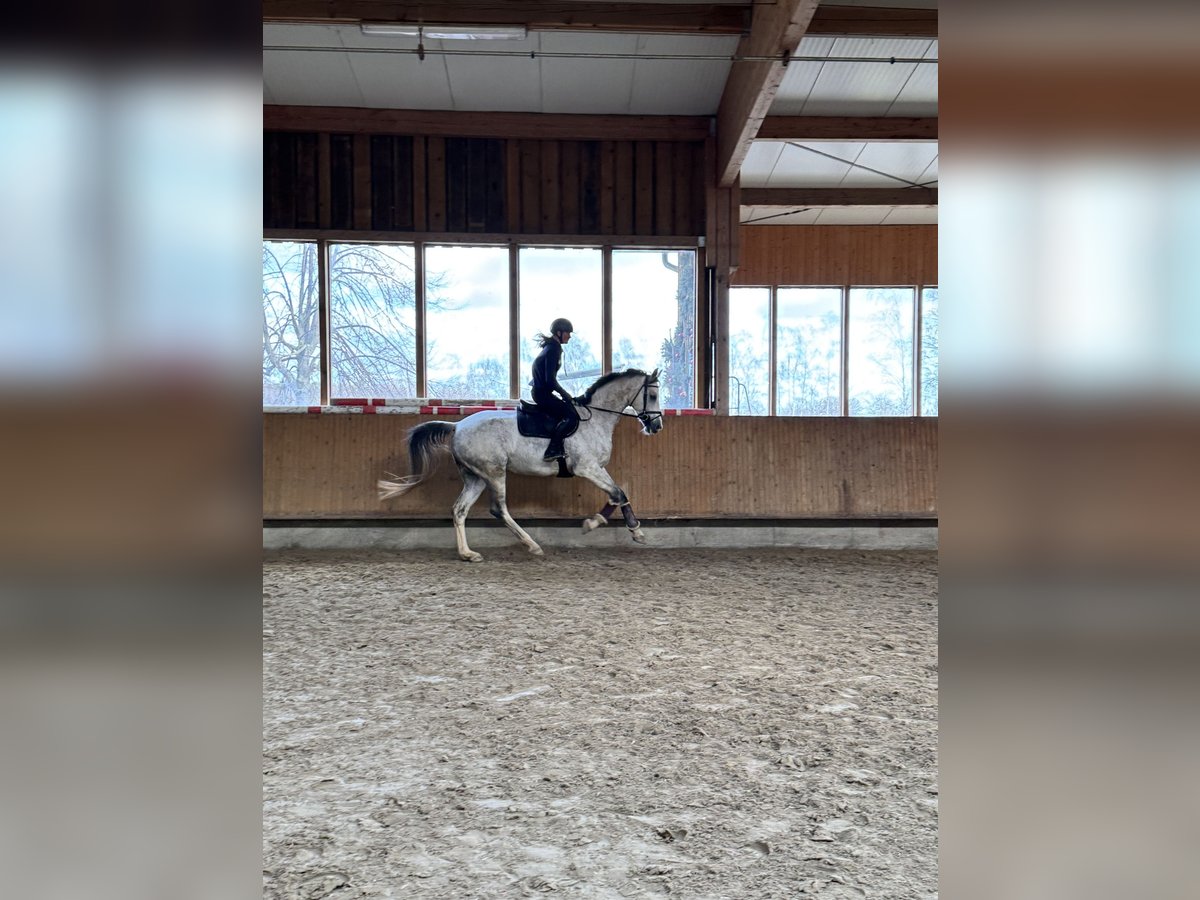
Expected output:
(487, 444)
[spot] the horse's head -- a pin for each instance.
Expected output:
(649, 412)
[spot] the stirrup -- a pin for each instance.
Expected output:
(563, 471)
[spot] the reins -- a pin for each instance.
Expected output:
(643, 415)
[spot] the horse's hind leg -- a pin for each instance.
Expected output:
(473, 486)
(499, 509)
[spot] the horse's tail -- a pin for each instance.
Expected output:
(423, 441)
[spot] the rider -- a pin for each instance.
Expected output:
(545, 386)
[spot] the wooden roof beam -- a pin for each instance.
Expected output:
(809, 197)
(775, 31)
(542, 15)
(847, 128)
(870, 21)
(550, 126)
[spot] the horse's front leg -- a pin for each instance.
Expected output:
(616, 498)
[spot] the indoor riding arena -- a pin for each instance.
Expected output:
(727, 690)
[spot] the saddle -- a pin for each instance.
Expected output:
(535, 422)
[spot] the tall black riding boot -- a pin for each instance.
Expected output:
(555, 450)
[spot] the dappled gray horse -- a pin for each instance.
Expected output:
(487, 444)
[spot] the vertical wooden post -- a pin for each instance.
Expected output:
(323, 329)
(419, 275)
(773, 349)
(918, 317)
(606, 309)
(514, 319)
(845, 350)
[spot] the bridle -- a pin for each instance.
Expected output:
(645, 416)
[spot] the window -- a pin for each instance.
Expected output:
(448, 334)
(749, 351)
(291, 324)
(566, 282)
(466, 322)
(372, 308)
(654, 318)
(929, 351)
(880, 357)
(808, 351)
(794, 352)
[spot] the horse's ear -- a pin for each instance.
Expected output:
(654, 375)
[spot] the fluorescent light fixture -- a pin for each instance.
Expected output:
(447, 32)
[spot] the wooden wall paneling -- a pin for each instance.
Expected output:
(589, 189)
(664, 188)
(324, 196)
(420, 188)
(341, 176)
(362, 181)
(495, 168)
(698, 172)
(607, 195)
(531, 187)
(457, 183)
(571, 188)
(838, 254)
(551, 188)
(477, 184)
(402, 181)
(326, 466)
(624, 194)
(435, 174)
(643, 169)
(306, 181)
(681, 193)
(271, 180)
(282, 181)
(512, 185)
(383, 182)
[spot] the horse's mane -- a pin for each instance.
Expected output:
(608, 379)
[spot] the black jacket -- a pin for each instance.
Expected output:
(545, 373)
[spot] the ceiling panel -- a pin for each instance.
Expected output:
(599, 86)
(401, 82)
(679, 87)
(800, 167)
(912, 215)
(906, 160)
(760, 162)
(311, 79)
(494, 83)
(799, 78)
(868, 88)
(853, 215)
(919, 96)
(773, 215)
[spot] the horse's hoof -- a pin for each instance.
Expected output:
(471, 557)
(638, 537)
(537, 551)
(592, 523)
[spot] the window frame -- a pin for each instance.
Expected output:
(420, 240)
(844, 381)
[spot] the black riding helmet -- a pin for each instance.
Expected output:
(561, 325)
